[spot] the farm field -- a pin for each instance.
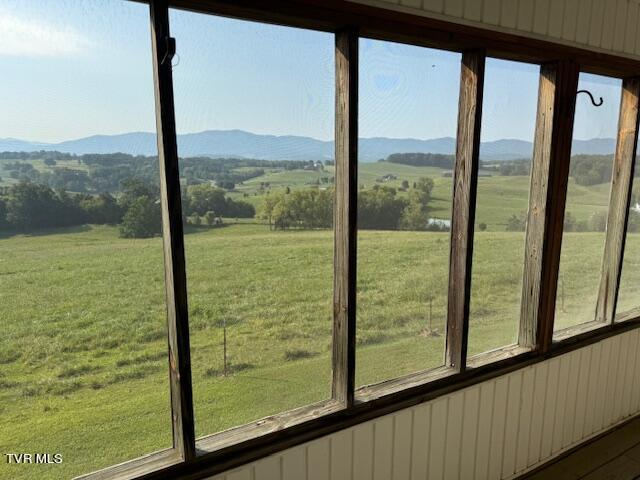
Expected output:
(83, 361)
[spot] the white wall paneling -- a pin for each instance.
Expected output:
(601, 25)
(498, 429)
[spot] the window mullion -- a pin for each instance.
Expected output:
(172, 232)
(547, 197)
(346, 190)
(465, 181)
(621, 182)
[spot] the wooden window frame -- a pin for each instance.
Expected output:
(199, 458)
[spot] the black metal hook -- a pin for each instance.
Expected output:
(593, 101)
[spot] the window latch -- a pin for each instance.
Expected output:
(170, 50)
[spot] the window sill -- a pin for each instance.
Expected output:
(628, 315)
(269, 425)
(497, 355)
(136, 468)
(376, 391)
(569, 332)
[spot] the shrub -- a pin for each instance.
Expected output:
(298, 354)
(210, 218)
(516, 223)
(598, 221)
(70, 372)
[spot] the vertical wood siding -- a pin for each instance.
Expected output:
(494, 430)
(605, 25)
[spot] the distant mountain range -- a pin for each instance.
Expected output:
(238, 143)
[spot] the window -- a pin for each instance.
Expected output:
(587, 202)
(82, 306)
(508, 124)
(408, 114)
(258, 213)
(315, 195)
(629, 284)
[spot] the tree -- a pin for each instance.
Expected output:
(421, 159)
(265, 211)
(415, 215)
(633, 224)
(591, 169)
(379, 208)
(514, 168)
(423, 188)
(309, 208)
(3, 214)
(203, 198)
(50, 162)
(569, 222)
(102, 209)
(134, 188)
(482, 227)
(142, 219)
(405, 184)
(282, 215)
(238, 209)
(210, 218)
(32, 206)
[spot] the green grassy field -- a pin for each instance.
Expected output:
(83, 367)
(83, 352)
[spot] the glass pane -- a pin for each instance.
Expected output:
(256, 143)
(629, 292)
(508, 125)
(585, 220)
(83, 354)
(408, 120)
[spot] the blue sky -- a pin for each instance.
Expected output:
(74, 68)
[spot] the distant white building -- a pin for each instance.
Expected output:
(440, 222)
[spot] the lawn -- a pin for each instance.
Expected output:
(82, 360)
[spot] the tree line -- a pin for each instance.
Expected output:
(105, 172)
(509, 168)
(597, 222)
(421, 159)
(586, 170)
(28, 207)
(379, 208)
